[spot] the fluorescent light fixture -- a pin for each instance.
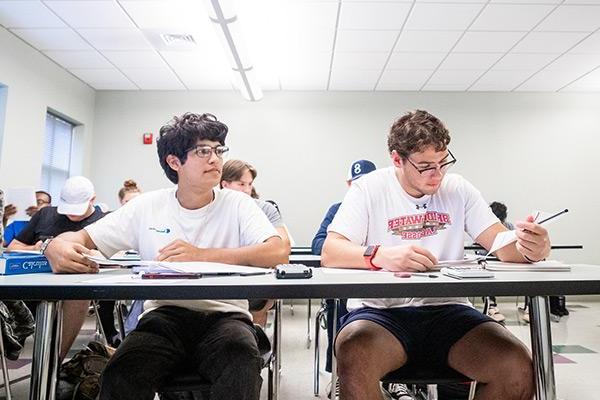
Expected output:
(223, 15)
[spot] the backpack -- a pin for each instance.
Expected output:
(79, 378)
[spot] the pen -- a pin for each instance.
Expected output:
(409, 274)
(566, 210)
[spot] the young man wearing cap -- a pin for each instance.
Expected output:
(406, 218)
(75, 211)
(193, 221)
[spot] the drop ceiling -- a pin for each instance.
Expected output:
(466, 45)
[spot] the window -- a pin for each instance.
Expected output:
(58, 143)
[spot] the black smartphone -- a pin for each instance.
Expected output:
(293, 271)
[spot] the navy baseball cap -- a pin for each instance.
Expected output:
(359, 168)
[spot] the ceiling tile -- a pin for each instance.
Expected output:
(510, 17)
(302, 40)
(52, 39)
(116, 39)
(427, 41)
(582, 2)
(528, 1)
(501, 80)
(451, 1)
(359, 61)
(415, 60)
(305, 61)
(91, 13)
(365, 41)
(454, 77)
(403, 79)
(28, 14)
(79, 59)
(445, 87)
(373, 15)
(590, 45)
(451, 16)
(104, 79)
(521, 61)
(349, 79)
(194, 60)
(154, 78)
(164, 14)
(587, 83)
(304, 79)
(134, 59)
(196, 79)
(488, 41)
(574, 18)
(576, 63)
(548, 81)
(548, 42)
(477, 61)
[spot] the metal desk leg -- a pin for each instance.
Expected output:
(308, 325)
(334, 377)
(541, 345)
(46, 350)
(277, 348)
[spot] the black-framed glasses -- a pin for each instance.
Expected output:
(430, 171)
(205, 151)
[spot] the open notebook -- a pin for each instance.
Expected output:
(480, 261)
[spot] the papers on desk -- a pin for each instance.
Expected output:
(22, 198)
(542, 266)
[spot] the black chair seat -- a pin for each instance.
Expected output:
(415, 377)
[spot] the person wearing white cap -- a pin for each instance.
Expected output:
(75, 211)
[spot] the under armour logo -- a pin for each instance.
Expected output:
(422, 206)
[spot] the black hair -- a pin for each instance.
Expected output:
(46, 193)
(181, 134)
(499, 210)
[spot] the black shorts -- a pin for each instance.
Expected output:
(427, 332)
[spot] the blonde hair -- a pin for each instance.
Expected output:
(129, 186)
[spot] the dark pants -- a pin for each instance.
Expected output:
(342, 310)
(221, 347)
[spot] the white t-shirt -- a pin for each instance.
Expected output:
(152, 220)
(377, 210)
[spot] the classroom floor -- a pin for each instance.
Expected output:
(576, 340)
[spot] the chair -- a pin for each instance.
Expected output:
(417, 379)
(185, 386)
(4, 366)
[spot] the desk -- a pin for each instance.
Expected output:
(582, 280)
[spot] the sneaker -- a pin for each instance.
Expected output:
(337, 389)
(495, 314)
(524, 314)
(398, 391)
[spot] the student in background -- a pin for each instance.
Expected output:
(406, 218)
(42, 198)
(129, 190)
(238, 175)
(75, 210)
(189, 222)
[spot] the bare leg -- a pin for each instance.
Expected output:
(497, 360)
(366, 352)
(74, 313)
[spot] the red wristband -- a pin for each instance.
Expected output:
(369, 255)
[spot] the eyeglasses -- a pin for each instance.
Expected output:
(430, 171)
(41, 202)
(205, 151)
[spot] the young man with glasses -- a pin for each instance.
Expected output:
(42, 199)
(406, 218)
(191, 222)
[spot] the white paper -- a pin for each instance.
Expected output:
(466, 260)
(348, 271)
(503, 239)
(192, 267)
(22, 198)
(130, 279)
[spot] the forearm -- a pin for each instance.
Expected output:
(16, 245)
(339, 252)
(81, 237)
(266, 254)
(511, 254)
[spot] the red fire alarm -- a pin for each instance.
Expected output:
(147, 137)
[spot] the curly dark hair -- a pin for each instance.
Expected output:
(415, 131)
(499, 210)
(181, 134)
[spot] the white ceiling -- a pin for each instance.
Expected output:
(456, 45)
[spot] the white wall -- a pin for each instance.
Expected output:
(34, 84)
(531, 151)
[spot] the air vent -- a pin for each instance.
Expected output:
(175, 39)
